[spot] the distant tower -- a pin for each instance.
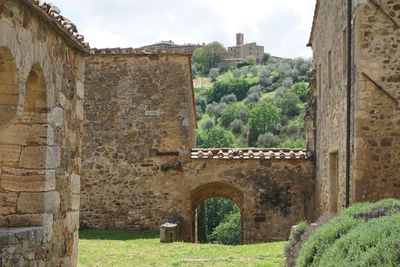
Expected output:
(239, 39)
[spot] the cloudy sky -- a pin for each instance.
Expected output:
(282, 26)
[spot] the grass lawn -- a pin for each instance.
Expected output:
(132, 248)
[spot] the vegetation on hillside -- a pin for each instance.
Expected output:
(250, 105)
(106, 248)
(366, 234)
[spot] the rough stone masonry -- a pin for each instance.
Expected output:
(41, 115)
(138, 170)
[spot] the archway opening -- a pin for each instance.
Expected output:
(217, 209)
(218, 220)
(9, 95)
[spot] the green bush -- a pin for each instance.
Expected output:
(228, 232)
(366, 234)
(374, 243)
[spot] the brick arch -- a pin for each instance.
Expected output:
(216, 189)
(9, 92)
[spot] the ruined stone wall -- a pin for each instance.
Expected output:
(375, 172)
(329, 59)
(137, 170)
(41, 104)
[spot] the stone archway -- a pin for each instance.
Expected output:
(211, 190)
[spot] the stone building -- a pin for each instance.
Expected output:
(374, 110)
(243, 50)
(139, 166)
(41, 114)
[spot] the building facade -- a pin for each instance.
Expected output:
(243, 50)
(374, 110)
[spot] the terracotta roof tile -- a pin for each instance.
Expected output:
(53, 13)
(249, 153)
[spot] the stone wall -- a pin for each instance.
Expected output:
(330, 97)
(137, 168)
(41, 104)
(375, 173)
(375, 101)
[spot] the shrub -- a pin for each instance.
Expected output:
(229, 99)
(228, 232)
(268, 140)
(364, 235)
(214, 73)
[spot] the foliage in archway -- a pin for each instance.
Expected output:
(218, 221)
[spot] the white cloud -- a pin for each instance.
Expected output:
(281, 26)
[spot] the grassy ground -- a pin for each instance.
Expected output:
(129, 248)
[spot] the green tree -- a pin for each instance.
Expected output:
(209, 57)
(301, 89)
(266, 57)
(228, 232)
(262, 115)
(237, 86)
(218, 209)
(251, 60)
(232, 112)
(217, 137)
(288, 104)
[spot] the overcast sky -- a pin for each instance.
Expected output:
(282, 26)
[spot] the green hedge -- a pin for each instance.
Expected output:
(366, 234)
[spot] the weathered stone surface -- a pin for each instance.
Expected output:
(137, 166)
(23, 134)
(374, 101)
(37, 157)
(41, 77)
(44, 202)
(169, 232)
(27, 180)
(9, 155)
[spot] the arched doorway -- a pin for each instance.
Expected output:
(215, 190)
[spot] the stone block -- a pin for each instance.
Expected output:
(79, 109)
(28, 180)
(9, 154)
(33, 134)
(57, 116)
(8, 202)
(39, 157)
(169, 232)
(80, 90)
(44, 202)
(75, 182)
(72, 221)
(25, 220)
(75, 202)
